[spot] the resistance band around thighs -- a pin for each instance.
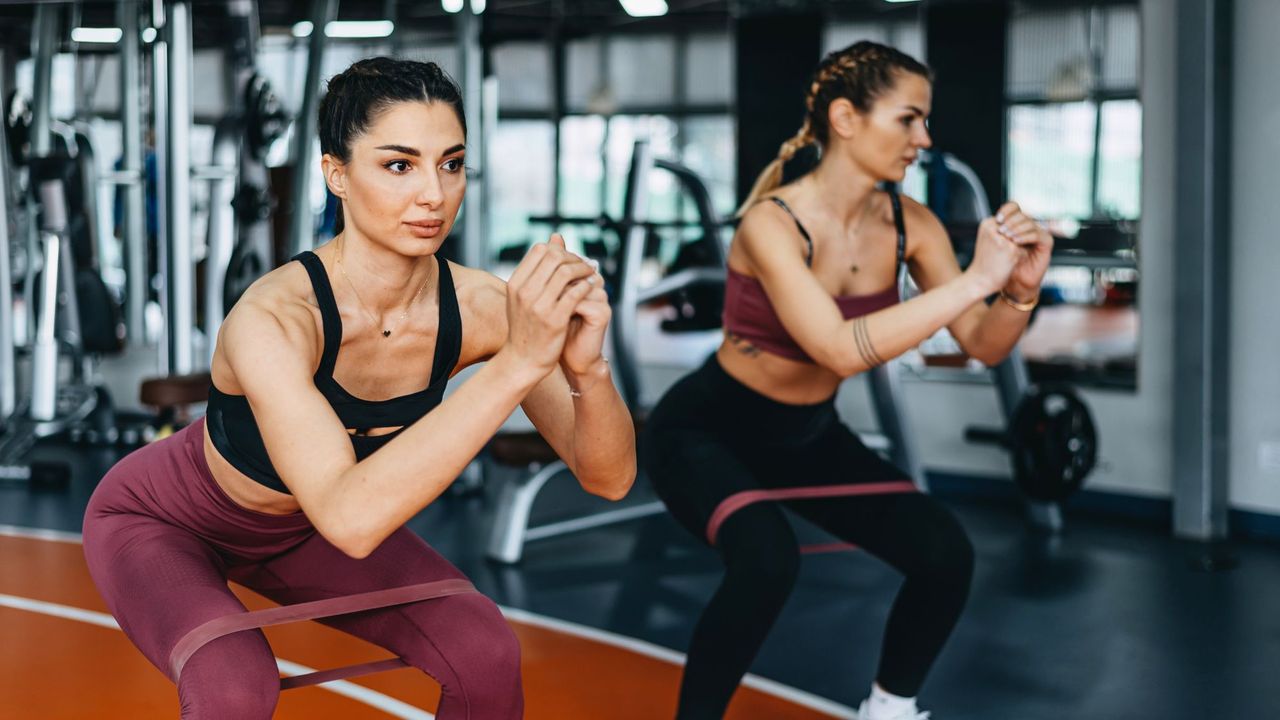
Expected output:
(740, 500)
(330, 607)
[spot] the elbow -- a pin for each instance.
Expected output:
(615, 487)
(988, 356)
(350, 539)
(988, 360)
(612, 493)
(845, 367)
(353, 545)
(353, 525)
(618, 490)
(975, 348)
(357, 551)
(849, 369)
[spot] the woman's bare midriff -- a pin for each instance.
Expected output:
(243, 490)
(776, 377)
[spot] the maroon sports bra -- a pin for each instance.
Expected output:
(749, 314)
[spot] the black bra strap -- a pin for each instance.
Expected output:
(808, 258)
(899, 222)
(449, 336)
(329, 315)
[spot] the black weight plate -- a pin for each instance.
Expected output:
(1053, 443)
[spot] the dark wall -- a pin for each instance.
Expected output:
(965, 46)
(775, 57)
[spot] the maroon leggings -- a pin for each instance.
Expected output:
(161, 539)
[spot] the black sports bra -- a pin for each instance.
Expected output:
(235, 431)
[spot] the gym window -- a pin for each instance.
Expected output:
(1074, 158)
(1075, 121)
(616, 88)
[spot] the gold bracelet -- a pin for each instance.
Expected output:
(1023, 306)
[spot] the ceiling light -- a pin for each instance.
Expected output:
(451, 6)
(359, 28)
(644, 8)
(107, 35)
(348, 28)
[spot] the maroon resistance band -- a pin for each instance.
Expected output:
(227, 624)
(740, 500)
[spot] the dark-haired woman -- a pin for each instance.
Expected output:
(812, 299)
(326, 428)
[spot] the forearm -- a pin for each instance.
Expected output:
(374, 497)
(1001, 327)
(604, 438)
(871, 340)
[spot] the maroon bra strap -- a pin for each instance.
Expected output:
(227, 624)
(739, 500)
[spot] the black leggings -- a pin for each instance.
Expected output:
(711, 437)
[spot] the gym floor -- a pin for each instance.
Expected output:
(1108, 620)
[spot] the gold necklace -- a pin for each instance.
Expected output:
(386, 332)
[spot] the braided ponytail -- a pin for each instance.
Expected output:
(771, 178)
(859, 73)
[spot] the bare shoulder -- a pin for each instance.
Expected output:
(923, 227)
(766, 215)
(274, 322)
(478, 291)
(482, 303)
(761, 228)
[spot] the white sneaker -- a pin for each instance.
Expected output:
(864, 713)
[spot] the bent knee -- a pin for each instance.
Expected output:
(230, 680)
(484, 672)
(481, 645)
(253, 701)
(496, 649)
(949, 558)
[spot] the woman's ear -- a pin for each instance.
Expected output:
(335, 175)
(843, 118)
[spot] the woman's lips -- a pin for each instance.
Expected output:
(425, 228)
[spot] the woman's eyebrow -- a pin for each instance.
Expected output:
(401, 149)
(406, 150)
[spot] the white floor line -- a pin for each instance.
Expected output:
(359, 693)
(40, 534)
(385, 703)
(657, 652)
(640, 647)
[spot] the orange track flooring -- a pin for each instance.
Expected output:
(53, 668)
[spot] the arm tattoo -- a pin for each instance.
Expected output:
(865, 348)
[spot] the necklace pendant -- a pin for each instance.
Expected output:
(386, 333)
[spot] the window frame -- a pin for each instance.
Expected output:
(678, 111)
(1095, 94)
